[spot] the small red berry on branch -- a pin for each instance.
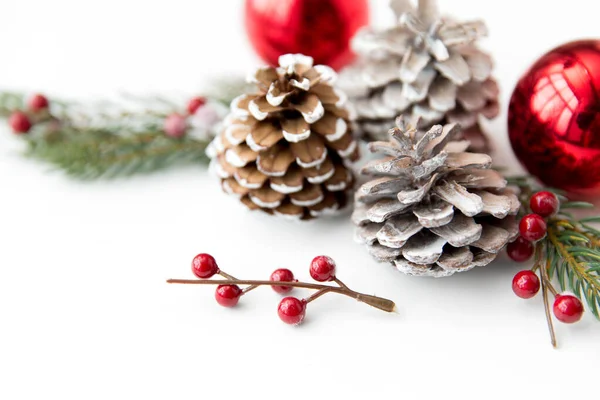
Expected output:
(194, 104)
(532, 227)
(204, 266)
(545, 204)
(175, 125)
(283, 275)
(526, 284)
(520, 250)
(37, 103)
(228, 295)
(567, 308)
(19, 122)
(322, 269)
(565, 248)
(291, 310)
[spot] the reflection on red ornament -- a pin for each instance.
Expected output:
(321, 29)
(554, 118)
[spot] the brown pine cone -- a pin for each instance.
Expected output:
(284, 149)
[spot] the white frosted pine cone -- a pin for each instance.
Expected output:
(432, 208)
(425, 66)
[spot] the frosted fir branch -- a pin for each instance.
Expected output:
(110, 140)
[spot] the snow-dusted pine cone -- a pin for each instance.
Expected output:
(284, 149)
(425, 67)
(432, 208)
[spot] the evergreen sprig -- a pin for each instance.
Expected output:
(569, 253)
(91, 154)
(109, 141)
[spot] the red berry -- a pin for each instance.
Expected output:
(526, 284)
(322, 268)
(282, 275)
(175, 125)
(568, 308)
(520, 250)
(228, 295)
(544, 204)
(532, 227)
(37, 103)
(204, 266)
(19, 122)
(195, 103)
(291, 310)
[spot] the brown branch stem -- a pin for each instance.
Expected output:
(374, 301)
(544, 281)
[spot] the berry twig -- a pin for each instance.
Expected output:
(565, 248)
(291, 310)
(106, 140)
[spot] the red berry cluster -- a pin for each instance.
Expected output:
(21, 121)
(532, 228)
(176, 124)
(567, 308)
(291, 310)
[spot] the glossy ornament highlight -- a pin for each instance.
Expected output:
(321, 29)
(554, 118)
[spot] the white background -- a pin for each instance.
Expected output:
(85, 312)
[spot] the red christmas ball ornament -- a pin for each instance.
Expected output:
(554, 118)
(321, 29)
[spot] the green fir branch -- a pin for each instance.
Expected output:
(90, 154)
(572, 246)
(103, 144)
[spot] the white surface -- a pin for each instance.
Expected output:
(85, 312)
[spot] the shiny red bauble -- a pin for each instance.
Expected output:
(526, 284)
(282, 275)
(532, 227)
(204, 266)
(554, 118)
(544, 204)
(292, 310)
(520, 250)
(321, 29)
(19, 122)
(228, 295)
(567, 308)
(322, 269)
